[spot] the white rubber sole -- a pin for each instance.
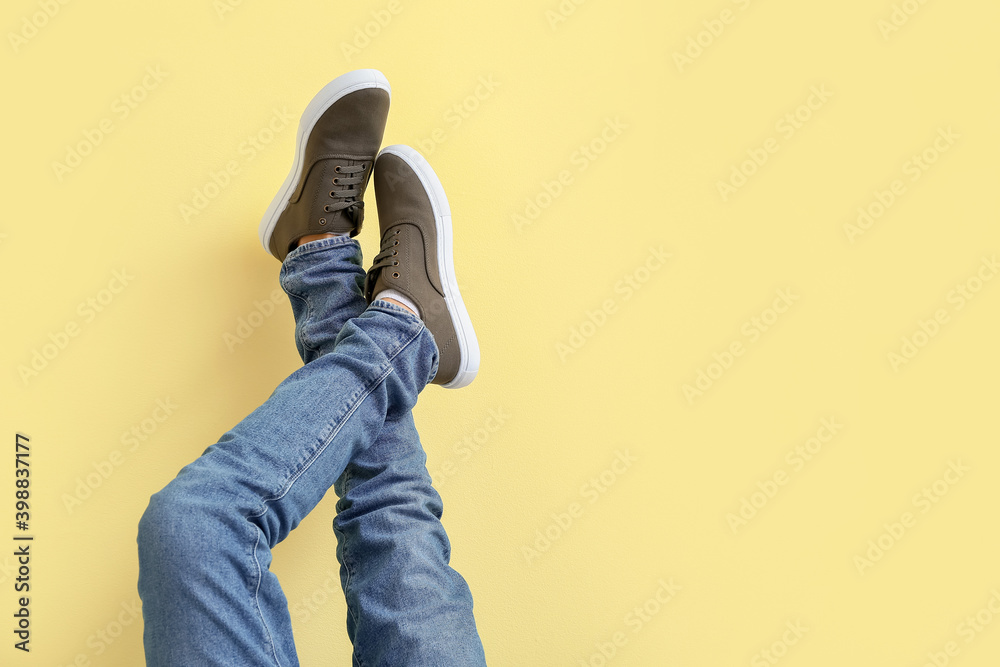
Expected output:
(467, 342)
(324, 99)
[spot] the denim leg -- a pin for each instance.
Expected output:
(406, 605)
(205, 540)
(324, 281)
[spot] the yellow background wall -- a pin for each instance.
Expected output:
(588, 338)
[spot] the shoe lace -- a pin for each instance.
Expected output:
(346, 195)
(386, 258)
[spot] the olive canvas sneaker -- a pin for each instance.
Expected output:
(416, 259)
(339, 136)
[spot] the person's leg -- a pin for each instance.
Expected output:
(406, 605)
(205, 540)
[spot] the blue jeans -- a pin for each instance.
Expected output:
(342, 420)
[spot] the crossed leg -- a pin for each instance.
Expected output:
(342, 419)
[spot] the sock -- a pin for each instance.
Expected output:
(396, 296)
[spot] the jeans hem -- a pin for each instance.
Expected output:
(318, 245)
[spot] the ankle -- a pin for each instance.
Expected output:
(314, 237)
(401, 305)
(402, 300)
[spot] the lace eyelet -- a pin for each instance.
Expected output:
(396, 243)
(337, 169)
(335, 182)
(395, 274)
(326, 209)
(395, 263)
(395, 252)
(322, 221)
(332, 195)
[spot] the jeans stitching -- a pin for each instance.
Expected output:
(291, 482)
(256, 600)
(348, 565)
(357, 403)
(317, 246)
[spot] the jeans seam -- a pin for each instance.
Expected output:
(347, 567)
(312, 459)
(357, 403)
(256, 600)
